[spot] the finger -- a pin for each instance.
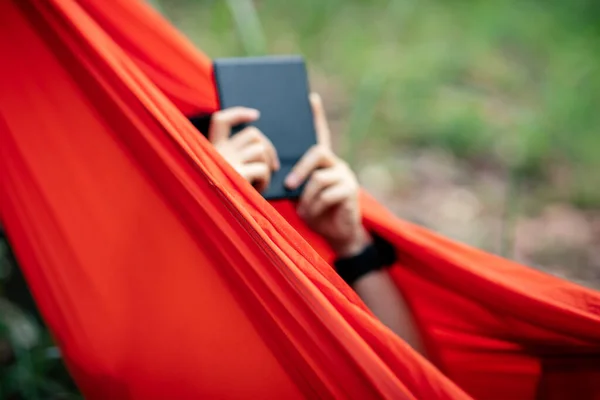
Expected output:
(222, 121)
(328, 198)
(255, 152)
(320, 119)
(316, 157)
(275, 163)
(317, 182)
(246, 136)
(258, 174)
(252, 135)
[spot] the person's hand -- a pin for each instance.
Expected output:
(329, 202)
(249, 152)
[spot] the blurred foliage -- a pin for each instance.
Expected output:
(512, 85)
(30, 365)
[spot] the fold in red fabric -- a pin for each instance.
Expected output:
(162, 274)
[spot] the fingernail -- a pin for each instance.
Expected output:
(291, 181)
(254, 113)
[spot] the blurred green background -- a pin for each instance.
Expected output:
(478, 119)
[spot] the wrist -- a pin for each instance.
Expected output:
(375, 253)
(354, 245)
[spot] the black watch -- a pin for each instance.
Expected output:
(377, 255)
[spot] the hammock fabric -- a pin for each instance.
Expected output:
(162, 274)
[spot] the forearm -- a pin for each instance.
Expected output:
(362, 264)
(381, 295)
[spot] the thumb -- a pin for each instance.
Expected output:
(321, 125)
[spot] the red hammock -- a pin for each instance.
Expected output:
(162, 274)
